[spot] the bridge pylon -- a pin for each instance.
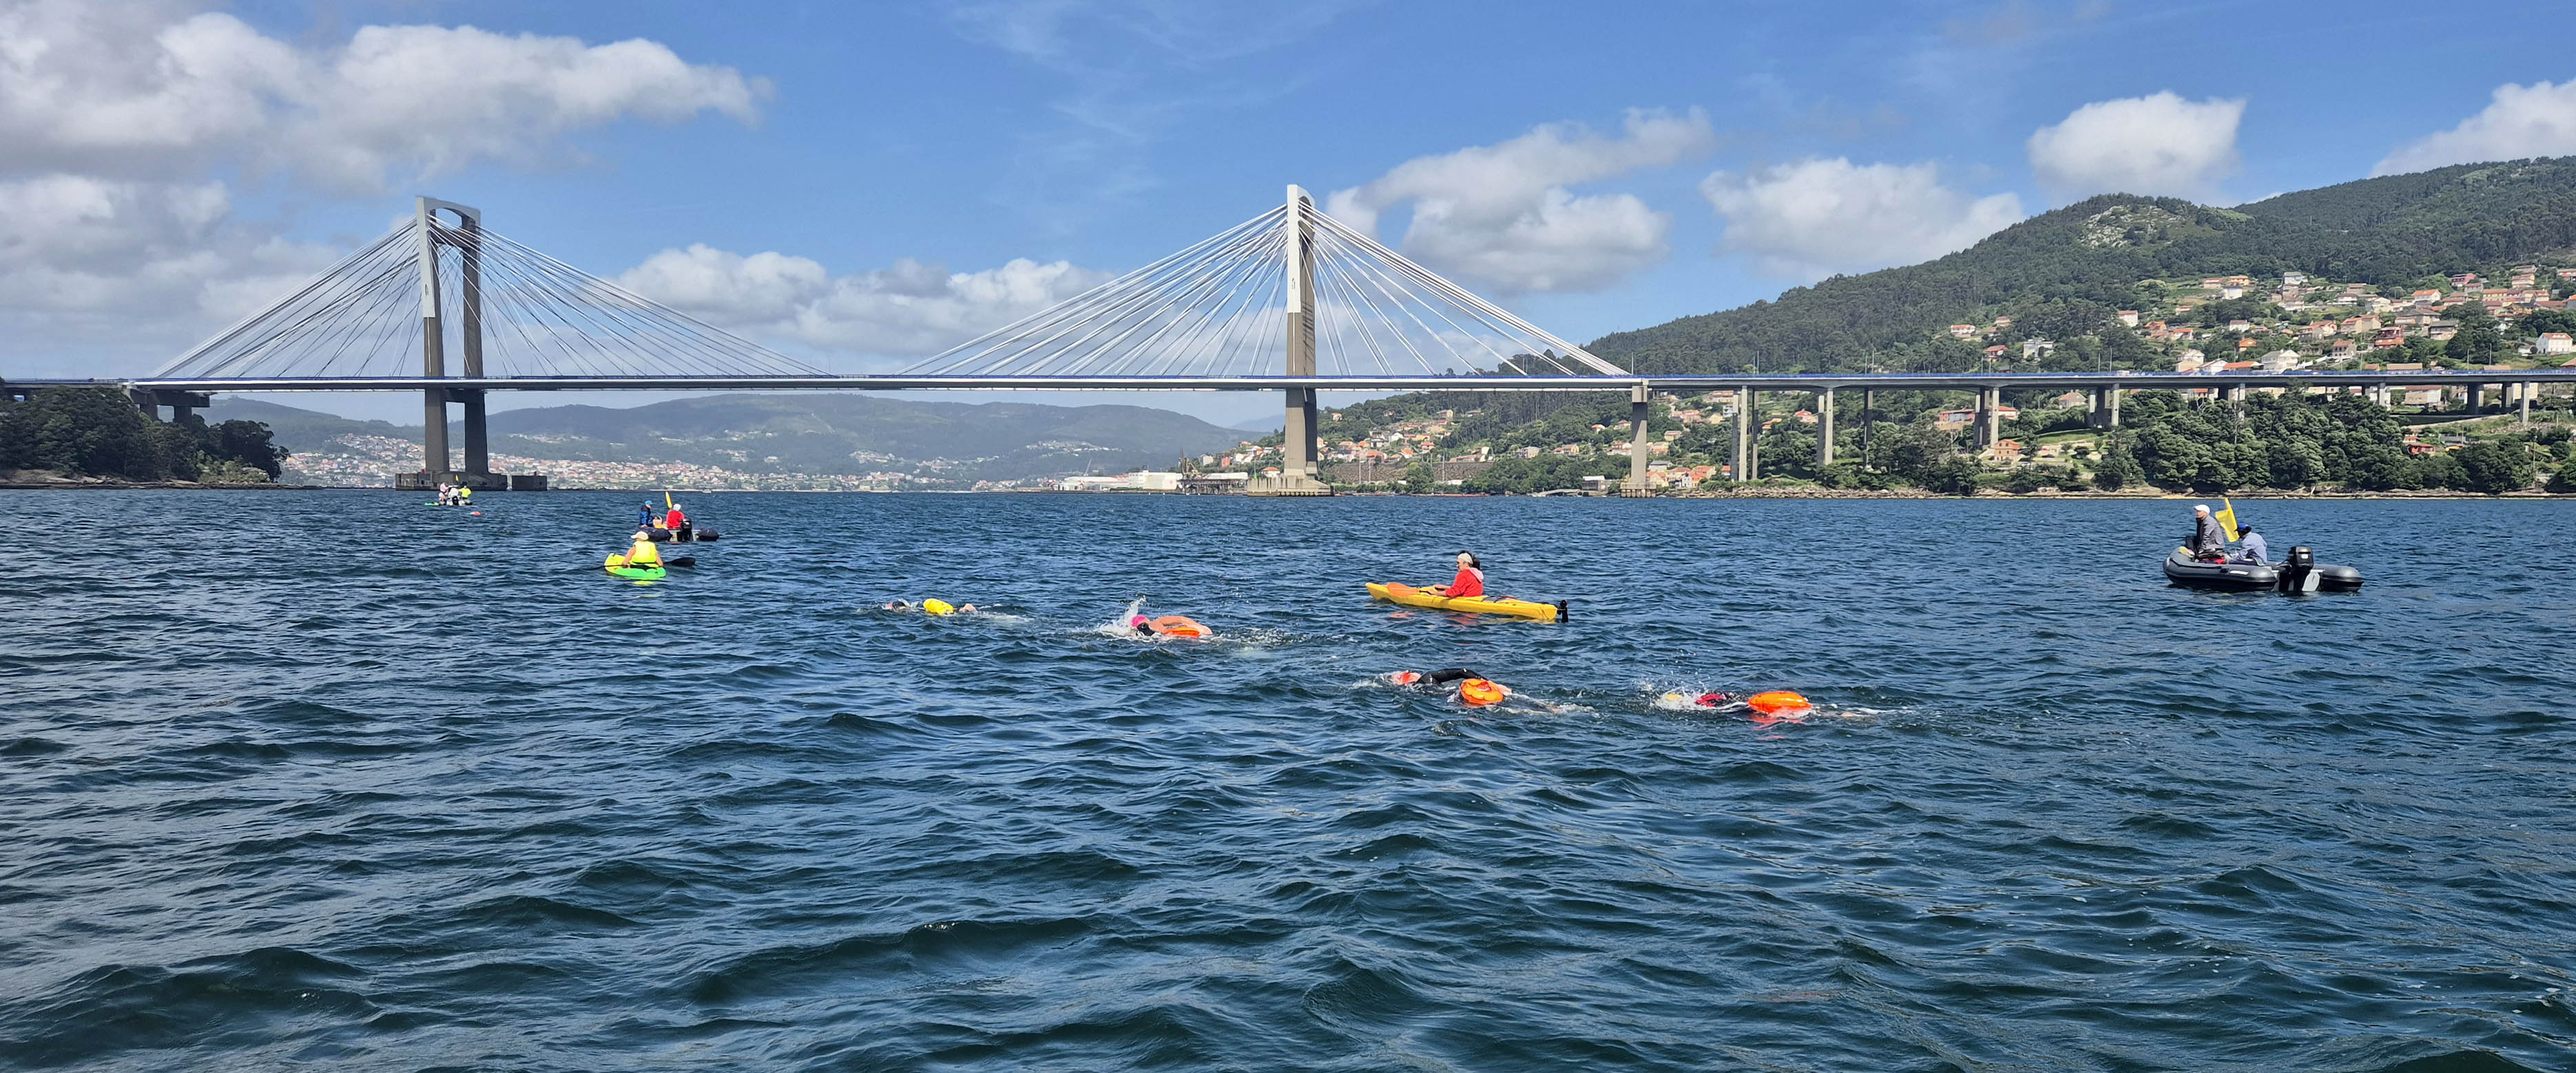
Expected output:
(1299, 446)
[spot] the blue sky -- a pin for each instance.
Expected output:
(1594, 167)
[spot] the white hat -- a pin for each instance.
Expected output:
(2200, 508)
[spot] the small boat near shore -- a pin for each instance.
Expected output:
(2298, 573)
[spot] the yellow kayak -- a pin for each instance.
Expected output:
(1413, 597)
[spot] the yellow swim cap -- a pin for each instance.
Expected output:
(936, 606)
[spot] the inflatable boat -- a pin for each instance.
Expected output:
(2300, 572)
(696, 536)
(1476, 605)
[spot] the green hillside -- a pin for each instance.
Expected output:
(2062, 274)
(807, 433)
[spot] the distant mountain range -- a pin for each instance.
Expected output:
(806, 433)
(2065, 273)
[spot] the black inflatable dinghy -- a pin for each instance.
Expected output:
(2298, 573)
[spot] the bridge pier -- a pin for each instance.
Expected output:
(182, 404)
(2477, 399)
(1298, 473)
(1640, 404)
(1824, 428)
(1742, 470)
(2526, 389)
(433, 430)
(478, 435)
(2106, 408)
(1868, 412)
(1990, 418)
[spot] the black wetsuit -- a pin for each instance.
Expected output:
(1453, 674)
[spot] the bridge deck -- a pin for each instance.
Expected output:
(1694, 383)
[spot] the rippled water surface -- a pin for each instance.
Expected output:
(338, 780)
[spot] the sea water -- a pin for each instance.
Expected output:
(337, 780)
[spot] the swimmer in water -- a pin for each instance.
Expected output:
(1168, 626)
(933, 606)
(1474, 690)
(1766, 707)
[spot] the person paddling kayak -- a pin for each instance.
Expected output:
(1470, 582)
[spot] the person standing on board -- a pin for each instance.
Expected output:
(2208, 538)
(1470, 582)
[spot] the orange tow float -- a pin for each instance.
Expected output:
(1779, 703)
(1181, 626)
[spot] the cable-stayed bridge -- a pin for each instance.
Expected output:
(1290, 300)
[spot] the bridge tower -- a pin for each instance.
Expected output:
(467, 238)
(1299, 451)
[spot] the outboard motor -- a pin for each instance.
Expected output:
(2298, 573)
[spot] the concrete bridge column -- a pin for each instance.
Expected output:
(1824, 428)
(478, 438)
(434, 458)
(2477, 399)
(1298, 470)
(1990, 419)
(1639, 404)
(1868, 417)
(1744, 418)
(2526, 389)
(433, 350)
(2115, 408)
(2379, 394)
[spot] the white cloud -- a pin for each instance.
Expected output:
(1504, 214)
(907, 309)
(2158, 144)
(1814, 218)
(118, 242)
(145, 90)
(2522, 121)
(144, 266)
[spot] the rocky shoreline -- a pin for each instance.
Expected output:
(30, 479)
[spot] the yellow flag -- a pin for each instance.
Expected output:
(666, 505)
(2227, 519)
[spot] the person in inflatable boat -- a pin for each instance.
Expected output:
(2208, 538)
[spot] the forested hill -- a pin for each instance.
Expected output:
(2065, 273)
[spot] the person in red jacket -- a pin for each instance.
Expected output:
(1469, 583)
(676, 522)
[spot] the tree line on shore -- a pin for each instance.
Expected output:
(2167, 440)
(98, 432)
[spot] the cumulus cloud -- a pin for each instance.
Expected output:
(146, 90)
(2521, 121)
(1814, 218)
(141, 266)
(1505, 215)
(2157, 144)
(906, 309)
(118, 240)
